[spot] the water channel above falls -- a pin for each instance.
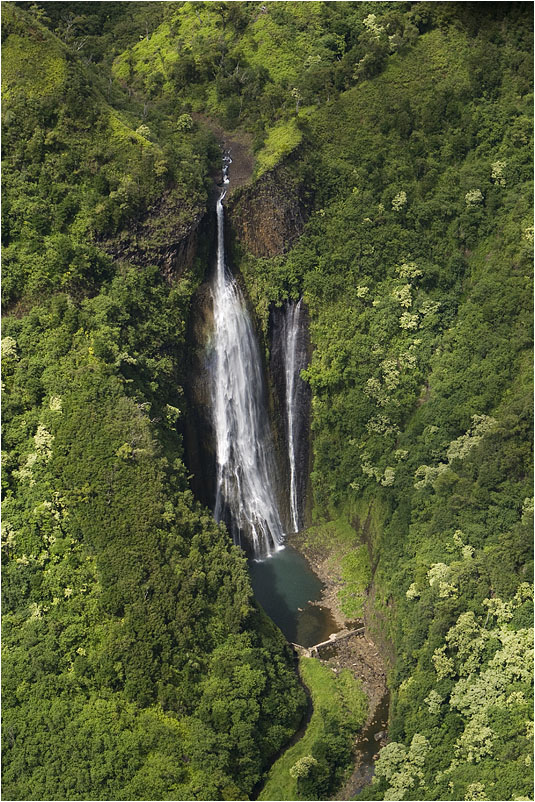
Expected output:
(285, 586)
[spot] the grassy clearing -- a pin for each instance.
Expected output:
(328, 735)
(281, 140)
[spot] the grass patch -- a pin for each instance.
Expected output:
(357, 574)
(31, 69)
(338, 534)
(348, 562)
(323, 754)
(280, 141)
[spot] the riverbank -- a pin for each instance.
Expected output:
(315, 763)
(360, 655)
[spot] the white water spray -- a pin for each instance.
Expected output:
(295, 359)
(245, 497)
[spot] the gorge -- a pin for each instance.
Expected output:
(244, 458)
(246, 494)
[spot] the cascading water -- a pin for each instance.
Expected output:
(288, 326)
(246, 480)
(245, 497)
(295, 359)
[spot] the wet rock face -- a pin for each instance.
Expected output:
(268, 216)
(199, 434)
(277, 371)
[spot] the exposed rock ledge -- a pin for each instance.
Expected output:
(268, 215)
(167, 235)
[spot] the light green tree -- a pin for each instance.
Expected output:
(303, 766)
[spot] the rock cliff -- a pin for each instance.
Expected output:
(168, 235)
(267, 216)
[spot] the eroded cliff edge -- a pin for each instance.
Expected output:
(267, 216)
(262, 217)
(165, 236)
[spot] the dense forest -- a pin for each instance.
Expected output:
(395, 140)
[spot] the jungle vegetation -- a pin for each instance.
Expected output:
(136, 664)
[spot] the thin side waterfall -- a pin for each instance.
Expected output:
(245, 497)
(295, 359)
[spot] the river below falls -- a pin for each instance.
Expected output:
(285, 586)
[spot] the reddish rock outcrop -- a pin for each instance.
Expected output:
(267, 216)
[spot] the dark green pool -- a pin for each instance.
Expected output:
(285, 585)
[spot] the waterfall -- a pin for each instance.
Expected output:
(245, 497)
(295, 359)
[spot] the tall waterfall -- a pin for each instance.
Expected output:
(294, 359)
(245, 497)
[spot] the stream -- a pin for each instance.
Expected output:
(368, 746)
